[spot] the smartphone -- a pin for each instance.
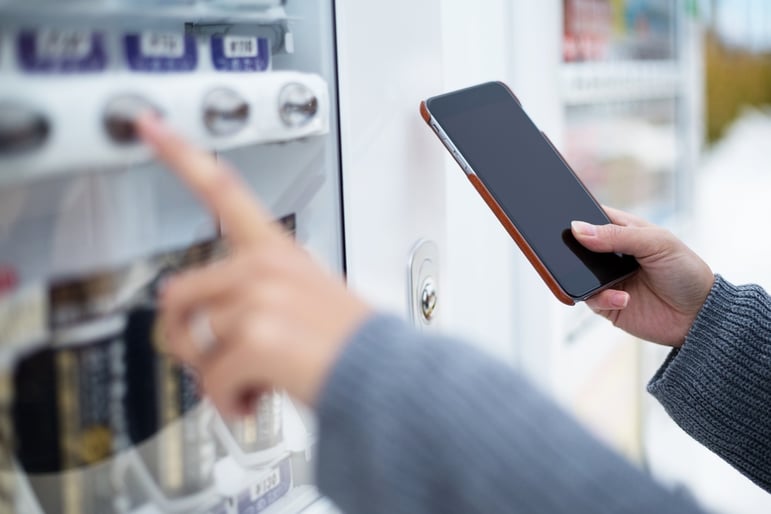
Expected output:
(529, 186)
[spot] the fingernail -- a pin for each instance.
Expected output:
(620, 300)
(583, 228)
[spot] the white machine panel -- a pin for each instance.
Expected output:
(216, 110)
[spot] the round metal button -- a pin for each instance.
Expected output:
(298, 105)
(21, 129)
(225, 112)
(120, 115)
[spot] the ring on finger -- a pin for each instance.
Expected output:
(201, 331)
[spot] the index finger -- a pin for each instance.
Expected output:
(215, 184)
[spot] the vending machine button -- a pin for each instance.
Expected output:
(298, 105)
(21, 129)
(119, 117)
(225, 112)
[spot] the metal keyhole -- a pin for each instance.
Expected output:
(428, 299)
(423, 281)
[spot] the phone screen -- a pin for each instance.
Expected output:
(530, 181)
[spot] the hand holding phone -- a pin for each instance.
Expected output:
(529, 186)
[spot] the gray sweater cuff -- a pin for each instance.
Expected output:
(718, 384)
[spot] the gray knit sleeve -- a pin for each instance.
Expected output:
(717, 386)
(412, 423)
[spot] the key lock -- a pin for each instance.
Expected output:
(424, 283)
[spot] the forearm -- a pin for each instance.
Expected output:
(717, 386)
(417, 424)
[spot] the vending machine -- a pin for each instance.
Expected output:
(315, 103)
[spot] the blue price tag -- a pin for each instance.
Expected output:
(161, 52)
(267, 491)
(240, 53)
(61, 51)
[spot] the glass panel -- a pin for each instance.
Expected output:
(94, 416)
(627, 153)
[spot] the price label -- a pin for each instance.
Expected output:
(240, 53)
(161, 52)
(162, 44)
(267, 484)
(53, 50)
(239, 46)
(268, 490)
(63, 44)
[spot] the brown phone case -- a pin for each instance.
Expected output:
(546, 276)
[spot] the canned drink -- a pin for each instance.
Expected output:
(263, 430)
(166, 421)
(23, 325)
(68, 418)
(7, 477)
(159, 391)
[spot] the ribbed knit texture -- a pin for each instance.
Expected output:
(412, 423)
(717, 386)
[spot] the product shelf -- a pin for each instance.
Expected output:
(609, 81)
(192, 11)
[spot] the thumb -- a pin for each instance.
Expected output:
(639, 242)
